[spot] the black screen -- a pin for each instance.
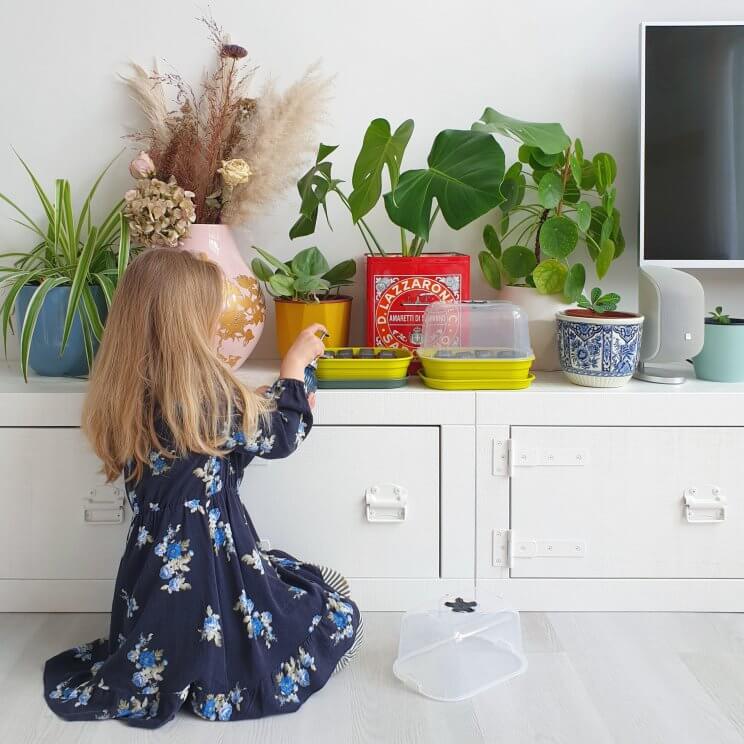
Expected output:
(694, 143)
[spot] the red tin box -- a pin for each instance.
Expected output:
(399, 288)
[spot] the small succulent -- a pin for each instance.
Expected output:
(159, 213)
(598, 302)
(718, 316)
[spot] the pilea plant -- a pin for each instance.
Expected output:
(463, 174)
(719, 317)
(599, 303)
(308, 277)
(554, 195)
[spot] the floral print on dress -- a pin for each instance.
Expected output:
(130, 602)
(209, 474)
(136, 708)
(288, 563)
(259, 443)
(258, 624)
(143, 537)
(84, 652)
(314, 623)
(176, 558)
(340, 613)
(300, 435)
(149, 666)
(195, 505)
(218, 707)
(221, 534)
(254, 560)
(296, 592)
(211, 629)
(292, 675)
(158, 463)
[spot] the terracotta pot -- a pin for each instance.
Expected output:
(244, 312)
(541, 311)
(292, 316)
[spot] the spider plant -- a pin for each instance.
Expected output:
(69, 252)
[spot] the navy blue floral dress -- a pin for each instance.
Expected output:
(202, 616)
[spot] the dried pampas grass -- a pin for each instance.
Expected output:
(147, 92)
(277, 141)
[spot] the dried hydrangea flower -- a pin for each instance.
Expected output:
(159, 213)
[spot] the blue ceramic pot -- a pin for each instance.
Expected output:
(599, 350)
(46, 343)
(722, 357)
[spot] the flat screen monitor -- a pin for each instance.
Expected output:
(692, 144)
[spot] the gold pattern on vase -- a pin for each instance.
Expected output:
(244, 308)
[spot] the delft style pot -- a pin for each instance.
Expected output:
(722, 357)
(244, 311)
(46, 343)
(599, 350)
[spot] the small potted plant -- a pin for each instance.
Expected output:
(597, 345)
(722, 356)
(555, 197)
(306, 290)
(61, 289)
(461, 181)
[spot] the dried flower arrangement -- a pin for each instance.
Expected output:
(219, 155)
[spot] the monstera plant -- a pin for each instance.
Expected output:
(554, 198)
(461, 181)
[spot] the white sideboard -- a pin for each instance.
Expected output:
(557, 497)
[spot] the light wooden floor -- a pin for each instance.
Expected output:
(593, 677)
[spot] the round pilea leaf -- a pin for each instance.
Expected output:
(550, 276)
(518, 261)
(558, 236)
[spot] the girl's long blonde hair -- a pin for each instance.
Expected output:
(158, 363)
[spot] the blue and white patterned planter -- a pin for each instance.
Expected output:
(599, 351)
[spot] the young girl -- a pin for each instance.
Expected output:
(201, 615)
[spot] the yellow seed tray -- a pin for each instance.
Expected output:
(487, 384)
(476, 369)
(364, 369)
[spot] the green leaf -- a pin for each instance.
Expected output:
(464, 175)
(32, 315)
(512, 191)
(583, 215)
(604, 258)
(571, 193)
(262, 270)
(558, 236)
(544, 159)
(579, 149)
(341, 273)
(550, 190)
(29, 222)
(19, 282)
(596, 294)
(122, 258)
(380, 148)
(281, 285)
(574, 286)
(313, 189)
(550, 276)
(490, 268)
(91, 313)
(518, 261)
(611, 300)
(107, 287)
(310, 262)
(310, 285)
(504, 224)
(43, 198)
(588, 178)
(575, 165)
(275, 262)
(79, 281)
(87, 342)
(524, 153)
(550, 138)
(605, 170)
(324, 151)
(606, 232)
(491, 241)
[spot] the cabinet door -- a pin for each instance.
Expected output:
(50, 482)
(313, 503)
(610, 502)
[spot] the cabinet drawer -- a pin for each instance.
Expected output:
(313, 503)
(609, 502)
(47, 477)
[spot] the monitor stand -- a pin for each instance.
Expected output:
(658, 375)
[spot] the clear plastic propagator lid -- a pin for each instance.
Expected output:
(478, 329)
(458, 648)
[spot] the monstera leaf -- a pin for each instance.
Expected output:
(380, 148)
(550, 138)
(464, 176)
(313, 188)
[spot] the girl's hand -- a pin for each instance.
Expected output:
(306, 348)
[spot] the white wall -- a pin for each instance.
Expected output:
(439, 62)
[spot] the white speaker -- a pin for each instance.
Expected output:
(673, 306)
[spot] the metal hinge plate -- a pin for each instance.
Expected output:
(506, 456)
(506, 548)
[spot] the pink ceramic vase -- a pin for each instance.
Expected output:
(244, 312)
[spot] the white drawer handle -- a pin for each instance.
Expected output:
(386, 502)
(104, 505)
(704, 505)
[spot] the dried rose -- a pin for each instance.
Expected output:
(234, 172)
(233, 50)
(142, 166)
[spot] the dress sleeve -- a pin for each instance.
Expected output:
(288, 424)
